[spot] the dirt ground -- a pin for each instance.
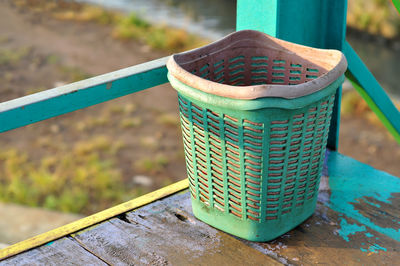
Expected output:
(51, 52)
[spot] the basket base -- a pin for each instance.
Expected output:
(252, 230)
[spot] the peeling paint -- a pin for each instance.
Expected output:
(50, 243)
(371, 203)
(349, 229)
(374, 248)
(360, 180)
(109, 85)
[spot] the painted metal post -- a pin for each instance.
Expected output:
(396, 4)
(375, 96)
(314, 23)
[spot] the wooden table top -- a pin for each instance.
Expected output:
(357, 221)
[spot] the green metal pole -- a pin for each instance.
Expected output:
(396, 4)
(368, 87)
(314, 23)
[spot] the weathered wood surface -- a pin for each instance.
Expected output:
(96, 218)
(65, 251)
(357, 221)
(166, 233)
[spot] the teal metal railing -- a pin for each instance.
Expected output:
(43, 105)
(311, 22)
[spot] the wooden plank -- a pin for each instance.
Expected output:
(166, 233)
(357, 221)
(365, 194)
(43, 105)
(335, 238)
(372, 92)
(92, 219)
(320, 240)
(61, 252)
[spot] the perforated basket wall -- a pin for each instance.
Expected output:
(257, 69)
(254, 172)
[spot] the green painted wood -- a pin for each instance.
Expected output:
(367, 195)
(43, 105)
(309, 22)
(372, 92)
(356, 221)
(261, 15)
(396, 3)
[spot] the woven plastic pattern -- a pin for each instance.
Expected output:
(255, 114)
(254, 170)
(255, 70)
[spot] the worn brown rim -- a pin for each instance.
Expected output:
(332, 60)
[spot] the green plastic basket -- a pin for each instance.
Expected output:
(255, 114)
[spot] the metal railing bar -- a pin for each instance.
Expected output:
(53, 102)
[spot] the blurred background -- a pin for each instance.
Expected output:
(67, 167)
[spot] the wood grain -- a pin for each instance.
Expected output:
(356, 222)
(166, 233)
(61, 252)
(92, 219)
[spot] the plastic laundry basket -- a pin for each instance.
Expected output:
(255, 114)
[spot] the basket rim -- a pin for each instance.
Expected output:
(253, 104)
(332, 60)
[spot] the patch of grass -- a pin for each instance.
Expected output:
(126, 109)
(79, 180)
(149, 142)
(129, 108)
(8, 76)
(130, 122)
(156, 36)
(130, 27)
(354, 105)
(169, 120)
(4, 39)
(180, 154)
(374, 16)
(99, 144)
(89, 123)
(12, 57)
(152, 164)
(116, 109)
(53, 59)
(167, 182)
(124, 27)
(73, 73)
(35, 90)
(88, 13)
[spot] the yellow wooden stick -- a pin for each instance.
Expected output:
(92, 219)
